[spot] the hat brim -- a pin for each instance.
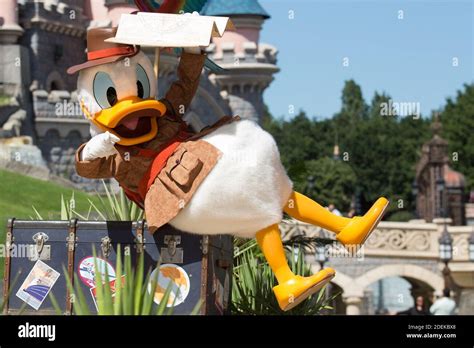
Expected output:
(91, 63)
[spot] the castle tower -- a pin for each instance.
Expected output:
(53, 34)
(11, 52)
(440, 188)
(107, 13)
(9, 28)
(250, 64)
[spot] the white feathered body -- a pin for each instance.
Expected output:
(246, 190)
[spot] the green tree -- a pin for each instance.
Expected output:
(354, 108)
(381, 150)
(296, 141)
(457, 118)
(328, 181)
(371, 149)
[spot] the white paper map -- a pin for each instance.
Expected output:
(169, 30)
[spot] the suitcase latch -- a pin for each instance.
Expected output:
(9, 241)
(71, 241)
(39, 251)
(105, 244)
(172, 254)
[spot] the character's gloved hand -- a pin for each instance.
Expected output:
(193, 50)
(101, 145)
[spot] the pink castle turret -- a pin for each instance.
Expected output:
(250, 64)
(9, 28)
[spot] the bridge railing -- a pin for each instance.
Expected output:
(415, 238)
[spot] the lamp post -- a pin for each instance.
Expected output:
(445, 246)
(296, 247)
(446, 254)
(471, 247)
(321, 255)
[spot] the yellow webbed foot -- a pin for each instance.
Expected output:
(297, 288)
(360, 227)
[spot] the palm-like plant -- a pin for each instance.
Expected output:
(133, 294)
(253, 282)
(113, 207)
(116, 207)
(253, 279)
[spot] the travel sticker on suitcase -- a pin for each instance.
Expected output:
(37, 284)
(113, 291)
(87, 269)
(171, 275)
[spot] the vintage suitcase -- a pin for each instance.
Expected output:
(202, 264)
(25, 241)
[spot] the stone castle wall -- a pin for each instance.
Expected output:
(50, 37)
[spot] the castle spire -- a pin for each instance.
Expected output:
(436, 126)
(250, 64)
(335, 152)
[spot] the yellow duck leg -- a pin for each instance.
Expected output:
(293, 289)
(350, 232)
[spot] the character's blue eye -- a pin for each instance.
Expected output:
(104, 90)
(143, 83)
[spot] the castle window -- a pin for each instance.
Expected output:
(54, 86)
(54, 82)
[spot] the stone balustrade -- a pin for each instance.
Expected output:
(404, 249)
(416, 238)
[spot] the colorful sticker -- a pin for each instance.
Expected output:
(86, 270)
(112, 290)
(179, 280)
(37, 284)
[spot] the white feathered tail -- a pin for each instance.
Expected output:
(246, 190)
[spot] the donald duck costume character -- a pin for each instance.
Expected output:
(226, 179)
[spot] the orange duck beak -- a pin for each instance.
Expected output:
(132, 119)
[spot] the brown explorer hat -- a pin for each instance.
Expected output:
(101, 52)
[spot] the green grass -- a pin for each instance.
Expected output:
(4, 100)
(19, 193)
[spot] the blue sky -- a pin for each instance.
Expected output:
(411, 59)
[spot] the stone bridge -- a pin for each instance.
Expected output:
(409, 250)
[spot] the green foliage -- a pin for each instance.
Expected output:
(133, 296)
(252, 292)
(353, 107)
(296, 141)
(67, 210)
(381, 150)
(401, 216)
(116, 207)
(19, 193)
(457, 118)
(4, 100)
(331, 182)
